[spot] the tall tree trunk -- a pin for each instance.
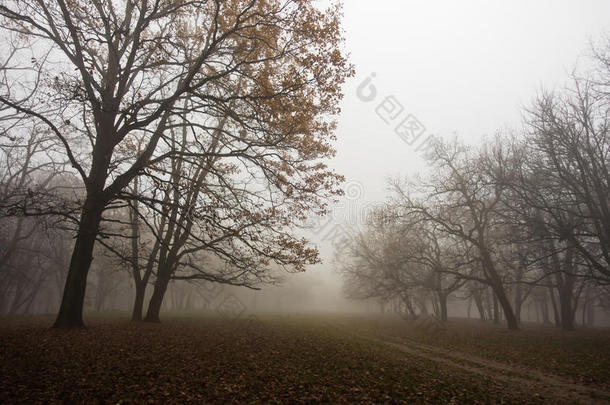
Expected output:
(188, 306)
(536, 310)
(496, 316)
(567, 315)
(71, 310)
(422, 304)
(556, 315)
(434, 299)
(544, 308)
(565, 290)
(174, 303)
(478, 300)
(498, 290)
(138, 304)
(518, 297)
(489, 305)
(518, 309)
(502, 299)
(99, 300)
(16, 301)
(29, 303)
(442, 300)
(591, 314)
(409, 310)
(156, 300)
(140, 281)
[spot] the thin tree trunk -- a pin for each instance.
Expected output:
(16, 301)
(591, 314)
(518, 299)
(567, 315)
(138, 305)
(442, 300)
(139, 280)
(478, 300)
(436, 305)
(503, 300)
(544, 308)
(536, 309)
(556, 315)
(496, 316)
(489, 305)
(29, 302)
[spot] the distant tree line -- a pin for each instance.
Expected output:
(523, 220)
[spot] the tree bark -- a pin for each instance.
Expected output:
(567, 319)
(518, 297)
(496, 316)
(565, 306)
(71, 310)
(138, 304)
(502, 299)
(156, 300)
(591, 315)
(499, 293)
(16, 298)
(565, 290)
(556, 315)
(140, 281)
(442, 299)
(478, 300)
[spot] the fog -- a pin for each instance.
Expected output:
(304, 201)
(464, 69)
(460, 72)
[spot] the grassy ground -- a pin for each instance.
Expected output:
(583, 355)
(251, 360)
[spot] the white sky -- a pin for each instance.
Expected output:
(461, 67)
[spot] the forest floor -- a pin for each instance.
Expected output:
(292, 359)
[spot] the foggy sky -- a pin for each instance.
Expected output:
(461, 68)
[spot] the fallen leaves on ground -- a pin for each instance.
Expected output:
(216, 361)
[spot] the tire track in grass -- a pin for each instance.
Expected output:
(551, 387)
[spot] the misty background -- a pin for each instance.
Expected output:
(464, 69)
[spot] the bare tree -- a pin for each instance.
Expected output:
(461, 199)
(566, 173)
(406, 261)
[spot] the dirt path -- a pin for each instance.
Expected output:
(550, 387)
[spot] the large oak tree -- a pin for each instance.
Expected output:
(118, 74)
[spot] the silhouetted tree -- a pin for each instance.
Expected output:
(121, 71)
